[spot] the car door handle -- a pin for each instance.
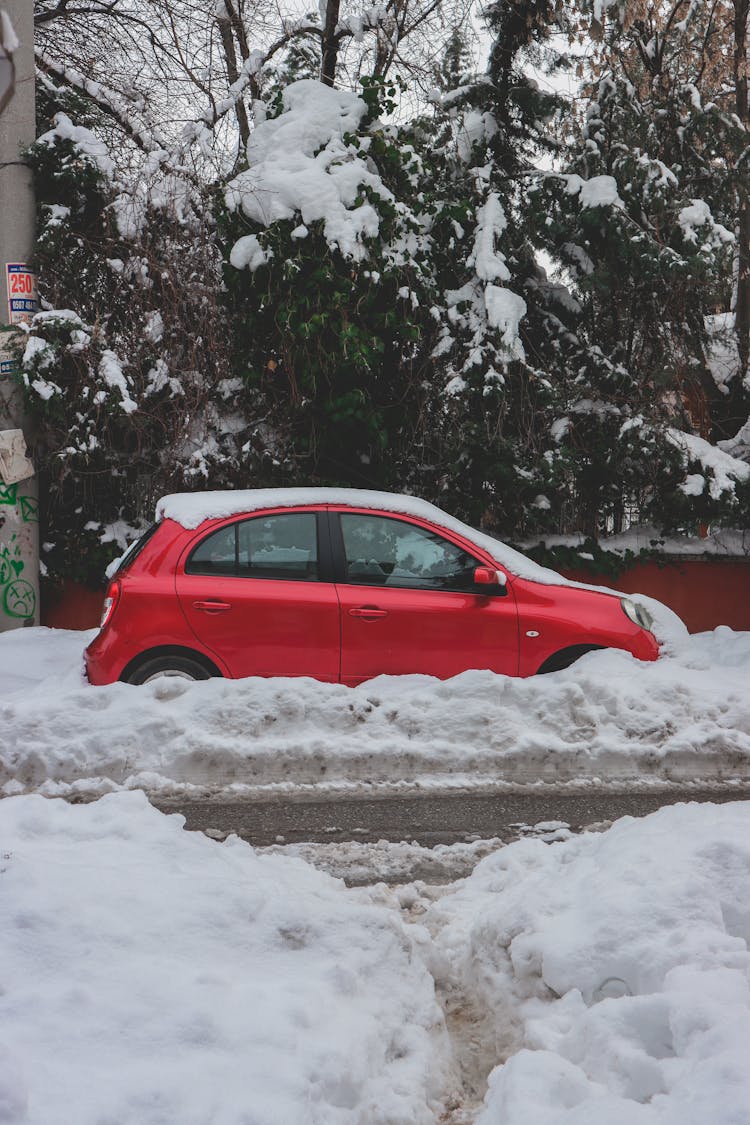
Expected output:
(368, 612)
(213, 607)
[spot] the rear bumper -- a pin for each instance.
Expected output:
(99, 669)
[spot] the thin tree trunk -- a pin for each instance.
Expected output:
(230, 57)
(742, 310)
(331, 43)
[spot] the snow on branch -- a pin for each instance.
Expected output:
(248, 76)
(147, 138)
(598, 191)
(698, 217)
(486, 259)
(83, 139)
(301, 164)
(723, 470)
(368, 20)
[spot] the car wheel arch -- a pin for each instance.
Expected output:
(165, 651)
(564, 657)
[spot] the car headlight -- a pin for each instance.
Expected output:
(637, 613)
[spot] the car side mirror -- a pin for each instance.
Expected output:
(492, 581)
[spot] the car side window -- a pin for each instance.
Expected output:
(278, 546)
(216, 554)
(382, 551)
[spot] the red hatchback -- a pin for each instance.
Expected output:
(341, 585)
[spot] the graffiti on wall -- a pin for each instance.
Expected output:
(17, 595)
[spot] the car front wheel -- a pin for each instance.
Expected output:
(182, 667)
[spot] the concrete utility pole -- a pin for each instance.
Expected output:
(19, 493)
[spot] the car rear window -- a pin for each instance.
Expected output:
(135, 549)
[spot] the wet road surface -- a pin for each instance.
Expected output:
(428, 820)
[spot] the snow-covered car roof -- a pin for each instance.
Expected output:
(190, 509)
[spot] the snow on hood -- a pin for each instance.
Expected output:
(190, 509)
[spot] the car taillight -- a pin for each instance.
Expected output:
(110, 601)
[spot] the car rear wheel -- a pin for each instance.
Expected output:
(181, 667)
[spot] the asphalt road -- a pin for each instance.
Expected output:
(427, 820)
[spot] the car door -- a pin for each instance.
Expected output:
(258, 592)
(409, 603)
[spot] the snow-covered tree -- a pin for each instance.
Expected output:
(642, 218)
(127, 365)
(327, 274)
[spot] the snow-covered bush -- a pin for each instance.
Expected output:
(126, 367)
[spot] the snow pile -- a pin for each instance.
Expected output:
(150, 975)
(385, 861)
(613, 969)
(609, 720)
(300, 163)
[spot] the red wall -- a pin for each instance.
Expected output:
(71, 606)
(704, 592)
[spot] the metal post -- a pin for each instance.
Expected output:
(19, 494)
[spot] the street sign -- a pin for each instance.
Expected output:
(22, 295)
(8, 365)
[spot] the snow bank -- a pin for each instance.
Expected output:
(609, 719)
(150, 975)
(613, 971)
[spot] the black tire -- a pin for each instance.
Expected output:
(183, 667)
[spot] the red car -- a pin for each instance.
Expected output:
(341, 585)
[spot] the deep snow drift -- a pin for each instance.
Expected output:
(609, 719)
(149, 976)
(152, 976)
(615, 971)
